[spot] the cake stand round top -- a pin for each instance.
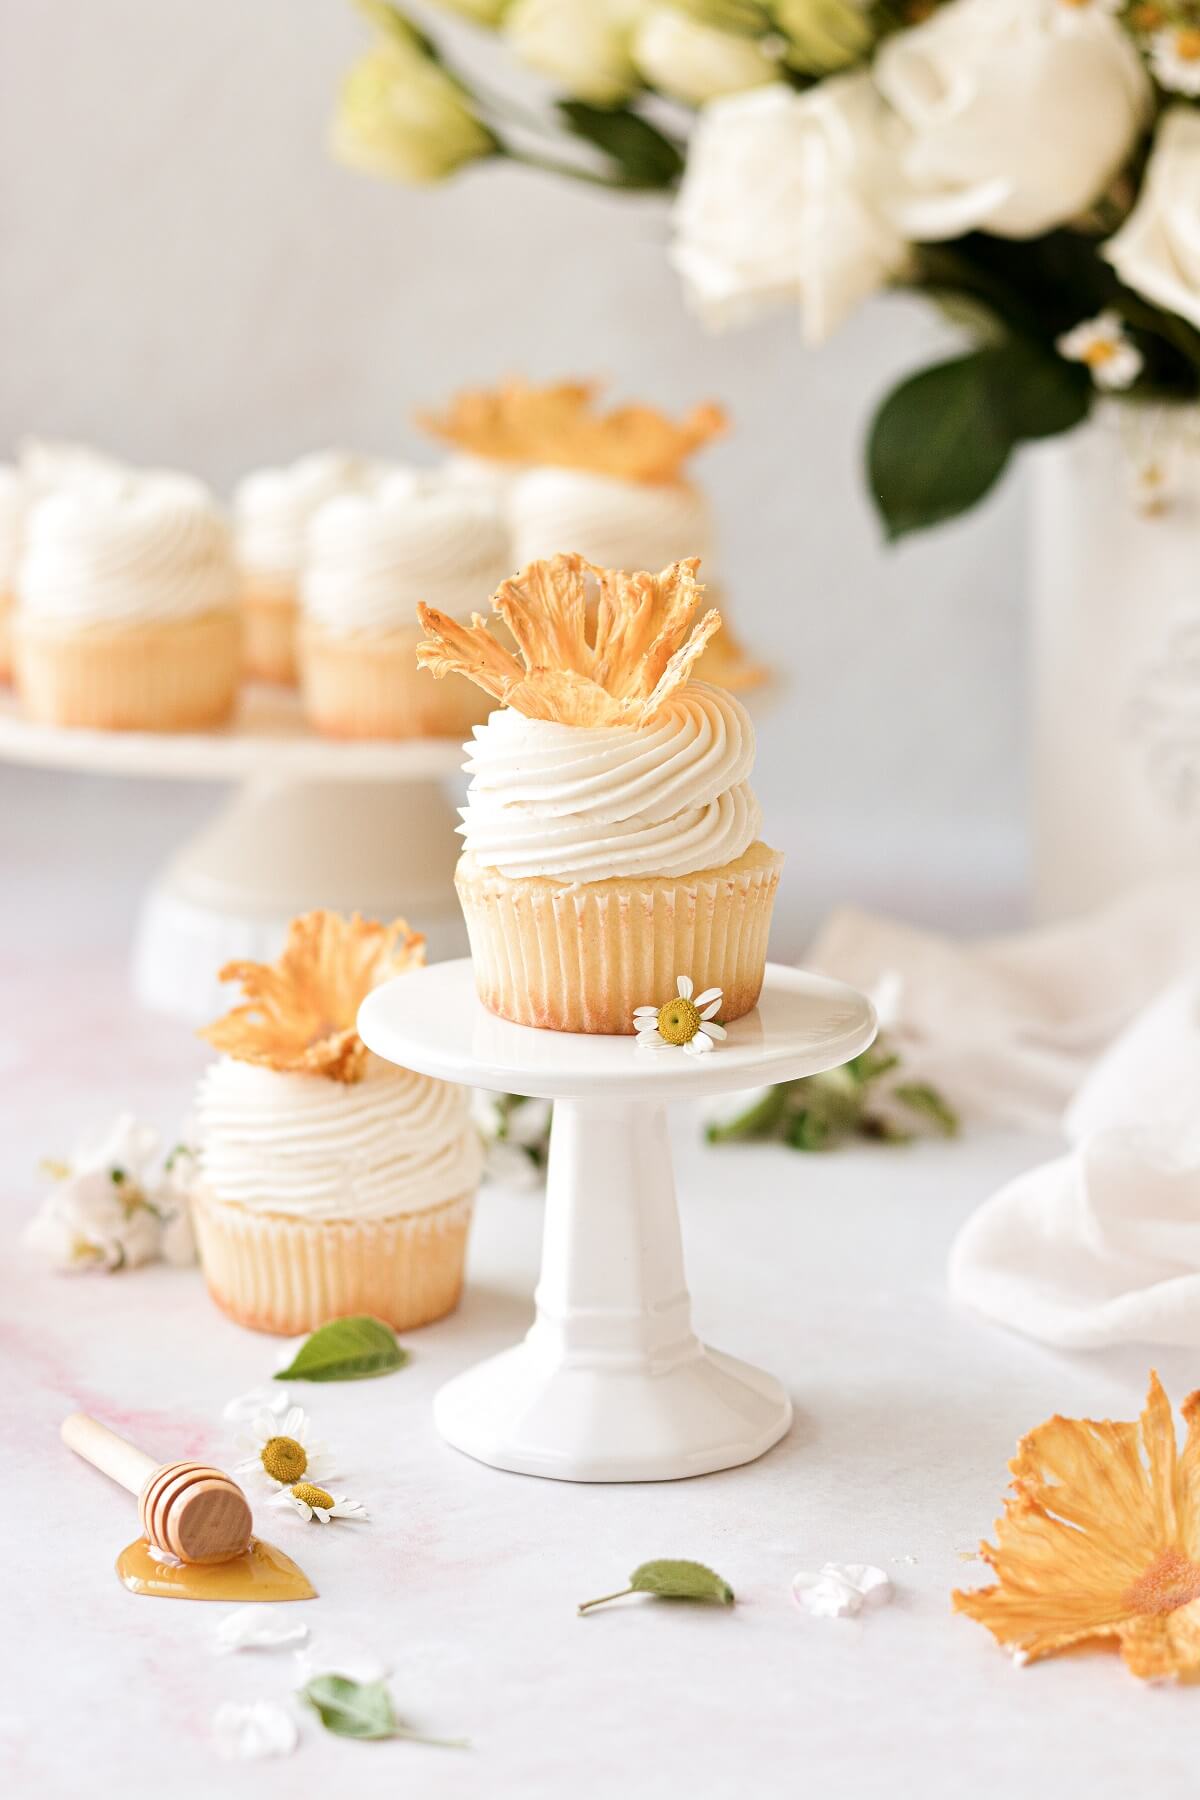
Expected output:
(268, 736)
(432, 1021)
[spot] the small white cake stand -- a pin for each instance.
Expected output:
(611, 1384)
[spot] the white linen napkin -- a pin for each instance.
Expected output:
(1101, 1245)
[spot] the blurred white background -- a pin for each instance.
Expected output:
(188, 279)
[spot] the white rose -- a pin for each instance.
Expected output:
(1157, 250)
(781, 202)
(694, 61)
(399, 115)
(584, 45)
(1020, 112)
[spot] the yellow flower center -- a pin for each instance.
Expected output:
(1100, 350)
(284, 1459)
(678, 1021)
(311, 1496)
(1187, 43)
(1171, 1581)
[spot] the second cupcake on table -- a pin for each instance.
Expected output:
(126, 615)
(371, 558)
(330, 1183)
(611, 835)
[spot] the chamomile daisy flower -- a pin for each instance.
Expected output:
(312, 1502)
(688, 1022)
(1175, 59)
(280, 1451)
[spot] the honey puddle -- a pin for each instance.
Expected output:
(261, 1573)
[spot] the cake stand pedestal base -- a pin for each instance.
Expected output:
(611, 1384)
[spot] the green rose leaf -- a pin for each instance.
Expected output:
(671, 1579)
(942, 438)
(346, 1350)
(645, 157)
(363, 1710)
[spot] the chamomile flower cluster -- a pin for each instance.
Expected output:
(116, 1205)
(281, 1456)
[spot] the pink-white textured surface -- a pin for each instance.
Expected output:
(829, 1271)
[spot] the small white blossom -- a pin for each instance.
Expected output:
(1102, 344)
(1175, 59)
(243, 1409)
(686, 1023)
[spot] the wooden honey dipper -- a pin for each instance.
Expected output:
(196, 1512)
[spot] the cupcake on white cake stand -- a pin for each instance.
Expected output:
(612, 1383)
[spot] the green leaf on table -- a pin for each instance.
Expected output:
(942, 438)
(351, 1349)
(643, 155)
(363, 1710)
(671, 1579)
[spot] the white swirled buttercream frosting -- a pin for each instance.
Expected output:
(615, 524)
(126, 550)
(577, 803)
(272, 508)
(372, 556)
(308, 1147)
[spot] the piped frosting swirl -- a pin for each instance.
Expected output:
(575, 804)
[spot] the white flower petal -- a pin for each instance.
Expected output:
(645, 1012)
(698, 1045)
(259, 1628)
(650, 1039)
(709, 994)
(683, 987)
(261, 1728)
(710, 1012)
(841, 1590)
(711, 1029)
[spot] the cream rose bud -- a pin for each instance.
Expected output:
(824, 35)
(1157, 250)
(781, 202)
(586, 46)
(1020, 112)
(402, 116)
(693, 61)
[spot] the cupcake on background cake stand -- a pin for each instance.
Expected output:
(610, 833)
(330, 1182)
(126, 615)
(371, 557)
(271, 513)
(610, 485)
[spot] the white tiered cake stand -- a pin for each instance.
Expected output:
(363, 825)
(611, 1384)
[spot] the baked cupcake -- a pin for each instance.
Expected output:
(271, 513)
(610, 832)
(12, 506)
(371, 558)
(611, 485)
(330, 1182)
(126, 613)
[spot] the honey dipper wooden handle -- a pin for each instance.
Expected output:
(112, 1455)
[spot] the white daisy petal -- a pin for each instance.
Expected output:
(244, 1409)
(258, 1728)
(650, 1038)
(711, 1029)
(713, 994)
(710, 1012)
(683, 987)
(645, 1012)
(698, 1045)
(259, 1627)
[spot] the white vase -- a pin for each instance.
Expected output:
(1116, 657)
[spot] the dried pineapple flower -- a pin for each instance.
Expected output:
(1100, 1542)
(598, 646)
(560, 425)
(300, 1012)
